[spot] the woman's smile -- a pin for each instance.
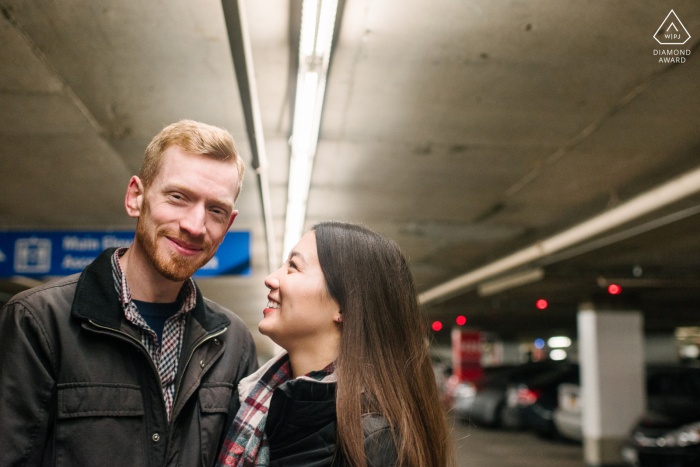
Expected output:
(271, 306)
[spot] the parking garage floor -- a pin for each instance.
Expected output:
(480, 447)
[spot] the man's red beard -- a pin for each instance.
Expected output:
(171, 266)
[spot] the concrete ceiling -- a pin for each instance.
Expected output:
(463, 130)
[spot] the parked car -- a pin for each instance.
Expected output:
(490, 399)
(567, 416)
(442, 372)
(669, 434)
(539, 416)
(671, 390)
(531, 403)
(462, 393)
(459, 395)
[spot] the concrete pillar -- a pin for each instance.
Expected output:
(611, 355)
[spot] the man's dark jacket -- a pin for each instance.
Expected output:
(77, 387)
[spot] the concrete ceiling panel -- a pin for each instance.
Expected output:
(23, 71)
(434, 112)
(50, 181)
(36, 114)
(139, 67)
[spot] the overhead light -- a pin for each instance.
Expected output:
(558, 354)
(558, 342)
(315, 42)
(508, 282)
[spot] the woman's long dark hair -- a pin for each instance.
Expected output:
(383, 353)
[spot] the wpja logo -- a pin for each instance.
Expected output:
(672, 32)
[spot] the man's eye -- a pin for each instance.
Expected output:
(292, 265)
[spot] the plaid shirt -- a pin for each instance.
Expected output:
(166, 355)
(246, 444)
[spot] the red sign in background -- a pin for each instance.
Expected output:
(466, 355)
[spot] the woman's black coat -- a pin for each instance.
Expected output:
(301, 429)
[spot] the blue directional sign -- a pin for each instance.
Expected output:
(40, 254)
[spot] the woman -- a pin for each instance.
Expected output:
(355, 386)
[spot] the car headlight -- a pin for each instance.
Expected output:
(630, 455)
(465, 391)
(684, 436)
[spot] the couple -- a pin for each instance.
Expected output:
(127, 364)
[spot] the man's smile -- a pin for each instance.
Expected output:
(183, 247)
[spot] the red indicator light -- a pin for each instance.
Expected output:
(614, 289)
(461, 320)
(437, 325)
(541, 304)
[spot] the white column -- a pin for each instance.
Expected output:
(611, 354)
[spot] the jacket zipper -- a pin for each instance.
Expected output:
(138, 343)
(196, 346)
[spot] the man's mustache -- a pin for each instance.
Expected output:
(197, 242)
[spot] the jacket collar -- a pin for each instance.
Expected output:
(96, 298)
(247, 384)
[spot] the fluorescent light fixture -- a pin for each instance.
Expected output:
(325, 27)
(558, 342)
(314, 56)
(558, 354)
(309, 10)
(508, 282)
(663, 195)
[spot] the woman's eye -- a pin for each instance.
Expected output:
(292, 265)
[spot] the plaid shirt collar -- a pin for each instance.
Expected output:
(320, 375)
(187, 295)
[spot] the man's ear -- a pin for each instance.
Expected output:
(233, 216)
(134, 197)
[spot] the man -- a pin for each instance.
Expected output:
(126, 363)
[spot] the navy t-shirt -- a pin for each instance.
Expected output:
(156, 314)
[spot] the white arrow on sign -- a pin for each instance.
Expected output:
(2, 256)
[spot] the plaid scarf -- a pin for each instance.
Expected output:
(246, 444)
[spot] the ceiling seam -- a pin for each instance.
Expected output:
(66, 90)
(590, 129)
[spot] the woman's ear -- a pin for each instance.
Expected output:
(339, 317)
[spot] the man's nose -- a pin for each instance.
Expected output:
(194, 221)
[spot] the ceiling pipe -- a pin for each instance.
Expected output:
(663, 195)
(241, 52)
(511, 281)
(620, 236)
